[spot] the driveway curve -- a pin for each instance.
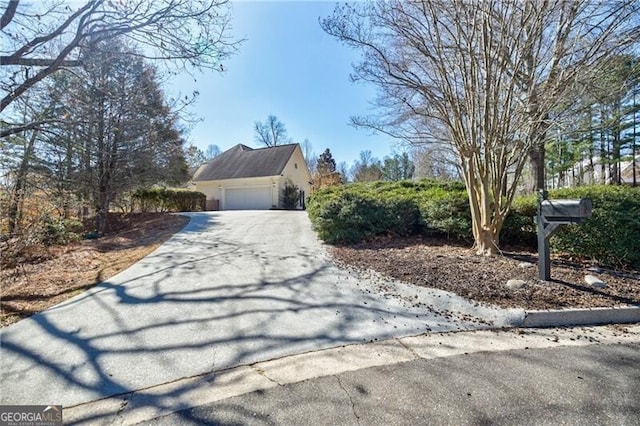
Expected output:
(231, 288)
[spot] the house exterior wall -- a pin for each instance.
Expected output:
(298, 172)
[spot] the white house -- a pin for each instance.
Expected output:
(245, 178)
(590, 171)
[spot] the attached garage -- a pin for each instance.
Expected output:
(257, 198)
(243, 178)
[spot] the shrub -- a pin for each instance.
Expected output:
(346, 217)
(611, 236)
(58, 231)
(519, 227)
(446, 211)
(168, 199)
(351, 213)
(290, 196)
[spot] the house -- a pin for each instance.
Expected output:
(630, 171)
(592, 171)
(245, 178)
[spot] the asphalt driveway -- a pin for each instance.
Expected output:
(231, 288)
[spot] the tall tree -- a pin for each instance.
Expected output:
(482, 76)
(20, 154)
(595, 135)
(39, 38)
(398, 167)
(326, 174)
(272, 132)
(367, 168)
(310, 157)
(119, 133)
(326, 163)
(194, 156)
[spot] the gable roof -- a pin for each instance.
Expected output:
(242, 161)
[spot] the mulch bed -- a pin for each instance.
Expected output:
(454, 267)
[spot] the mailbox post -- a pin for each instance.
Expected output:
(552, 214)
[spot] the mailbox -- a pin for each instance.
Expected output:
(565, 211)
(551, 215)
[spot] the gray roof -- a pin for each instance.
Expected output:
(242, 161)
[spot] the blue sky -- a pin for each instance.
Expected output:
(290, 68)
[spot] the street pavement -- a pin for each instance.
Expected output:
(585, 385)
(231, 289)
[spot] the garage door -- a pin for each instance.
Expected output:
(248, 198)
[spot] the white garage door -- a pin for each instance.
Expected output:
(257, 198)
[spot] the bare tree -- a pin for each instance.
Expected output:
(310, 157)
(272, 132)
(435, 162)
(37, 39)
(343, 169)
(481, 76)
(212, 151)
(367, 168)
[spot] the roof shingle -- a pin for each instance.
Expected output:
(242, 161)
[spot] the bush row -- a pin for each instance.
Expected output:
(168, 199)
(351, 213)
(611, 236)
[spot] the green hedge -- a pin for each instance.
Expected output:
(352, 213)
(168, 199)
(611, 236)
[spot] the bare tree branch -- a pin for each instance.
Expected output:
(192, 33)
(35, 62)
(272, 132)
(9, 13)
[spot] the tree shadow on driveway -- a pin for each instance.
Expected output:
(200, 305)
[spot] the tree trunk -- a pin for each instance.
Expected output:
(633, 142)
(102, 208)
(536, 164)
(485, 233)
(634, 159)
(101, 195)
(617, 142)
(17, 194)
(603, 149)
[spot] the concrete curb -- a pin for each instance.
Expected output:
(156, 401)
(573, 317)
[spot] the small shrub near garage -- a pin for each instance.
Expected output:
(290, 197)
